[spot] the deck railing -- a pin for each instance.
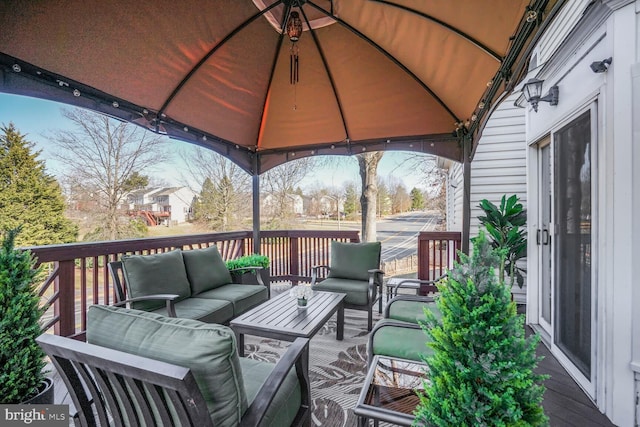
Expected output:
(76, 274)
(437, 250)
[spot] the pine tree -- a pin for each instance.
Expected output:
(481, 372)
(417, 199)
(29, 197)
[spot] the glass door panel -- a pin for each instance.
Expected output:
(543, 238)
(572, 242)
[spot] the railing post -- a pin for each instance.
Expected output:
(64, 307)
(294, 258)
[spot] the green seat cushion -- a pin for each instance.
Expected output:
(242, 297)
(208, 350)
(287, 400)
(204, 310)
(354, 260)
(412, 311)
(205, 269)
(162, 273)
(356, 290)
(405, 343)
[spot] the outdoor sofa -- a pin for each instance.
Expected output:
(140, 368)
(193, 284)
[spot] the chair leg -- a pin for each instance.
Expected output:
(370, 318)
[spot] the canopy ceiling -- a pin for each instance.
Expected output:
(373, 74)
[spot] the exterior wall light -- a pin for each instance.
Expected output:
(532, 91)
(601, 66)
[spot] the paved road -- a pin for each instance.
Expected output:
(399, 234)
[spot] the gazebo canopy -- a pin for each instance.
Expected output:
(365, 75)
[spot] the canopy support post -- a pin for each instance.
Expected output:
(466, 193)
(256, 205)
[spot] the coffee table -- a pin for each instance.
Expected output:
(280, 318)
(389, 392)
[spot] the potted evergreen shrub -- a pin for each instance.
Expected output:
(482, 368)
(22, 361)
(253, 260)
(505, 225)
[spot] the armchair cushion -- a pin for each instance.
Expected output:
(287, 401)
(356, 290)
(209, 350)
(354, 260)
(205, 269)
(403, 341)
(411, 311)
(162, 273)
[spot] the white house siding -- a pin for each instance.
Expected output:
(181, 201)
(609, 28)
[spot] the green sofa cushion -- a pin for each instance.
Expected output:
(288, 399)
(204, 310)
(243, 297)
(208, 350)
(356, 290)
(405, 343)
(205, 269)
(412, 311)
(162, 273)
(354, 260)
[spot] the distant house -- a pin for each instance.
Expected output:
(161, 206)
(294, 202)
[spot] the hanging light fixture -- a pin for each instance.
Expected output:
(294, 27)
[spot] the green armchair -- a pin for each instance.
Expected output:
(399, 333)
(354, 269)
(142, 368)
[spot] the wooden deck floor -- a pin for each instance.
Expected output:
(564, 401)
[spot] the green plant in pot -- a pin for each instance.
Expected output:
(22, 361)
(481, 372)
(253, 260)
(506, 227)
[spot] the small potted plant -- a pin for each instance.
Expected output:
(302, 293)
(253, 260)
(22, 361)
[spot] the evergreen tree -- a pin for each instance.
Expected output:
(481, 372)
(417, 199)
(29, 197)
(351, 201)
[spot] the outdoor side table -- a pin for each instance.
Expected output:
(389, 392)
(404, 284)
(280, 318)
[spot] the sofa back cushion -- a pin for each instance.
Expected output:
(353, 260)
(205, 269)
(162, 273)
(209, 350)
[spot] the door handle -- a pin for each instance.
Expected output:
(538, 237)
(546, 237)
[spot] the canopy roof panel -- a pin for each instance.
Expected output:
(372, 74)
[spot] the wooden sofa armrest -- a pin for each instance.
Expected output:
(296, 355)
(315, 271)
(168, 298)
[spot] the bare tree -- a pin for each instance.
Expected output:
(225, 189)
(368, 166)
(101, 154)
(280, 183)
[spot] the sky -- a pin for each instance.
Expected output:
(38, 118)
